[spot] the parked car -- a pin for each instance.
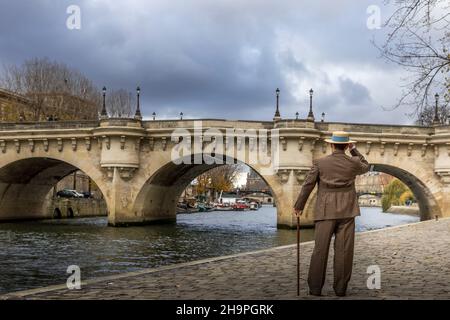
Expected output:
(67, 193)
(87, 194)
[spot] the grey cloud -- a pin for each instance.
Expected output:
(210, 59)
(353, 93)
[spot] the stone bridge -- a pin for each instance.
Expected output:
(141, 167)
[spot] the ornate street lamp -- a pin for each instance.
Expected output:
(296, 115)
(277, 115)
(154, 115)
(104, 114)
(323, 117)
(436, 115)
(181, 115)
(138, 115)
(310, 114)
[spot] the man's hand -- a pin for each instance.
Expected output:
(351, 146)
(297, 212)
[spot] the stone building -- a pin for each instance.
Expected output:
(372, 182)
(255, 182)
(55, 106)
(369, 200)
(14, 107)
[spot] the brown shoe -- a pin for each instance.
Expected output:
(317, 294)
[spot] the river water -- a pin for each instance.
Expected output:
(36, 254)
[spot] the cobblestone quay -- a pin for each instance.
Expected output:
(414, 260)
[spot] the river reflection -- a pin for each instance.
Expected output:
(35, 254)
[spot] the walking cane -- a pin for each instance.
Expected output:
(298, 255)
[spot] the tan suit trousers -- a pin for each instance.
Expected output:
(344, 231)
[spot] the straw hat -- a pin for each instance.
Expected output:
(340, 137)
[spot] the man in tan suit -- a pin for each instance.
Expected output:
(335, 211)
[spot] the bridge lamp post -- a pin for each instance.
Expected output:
(138, 115)
(277, 115)
(296, 115)
(310, 114)
(181, 115)
(436, 116)
(104, 114)
(323, 117)
(154, 115)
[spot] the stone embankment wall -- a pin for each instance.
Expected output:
(60, 208)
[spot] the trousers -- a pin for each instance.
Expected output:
(344, 232)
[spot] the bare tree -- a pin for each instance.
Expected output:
(53, 89)
(418, 41)
(120, 103)
(426, 117)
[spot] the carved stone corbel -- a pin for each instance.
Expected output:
(410, 148)
(110, 172)
(301, 142)
(45, 143)
(100, 143)
(436, 150)
(3, 146)
(31, 144)
(87, 142)
(382, 148)
(283, 143)
(313, 144)
(126, 173)
(300, 174)
(59, 142)
(368, 146)
(17, 145)
(424, 149)
(283, 174)
(137, 144)
(107, 142)
(151, 143)
(74, 144)
(396, 146)
(122, 142)
(448, 148)
(164, 143)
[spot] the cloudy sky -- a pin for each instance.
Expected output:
(218, 58)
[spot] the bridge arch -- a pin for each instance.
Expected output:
(158, 197)
(25, 183)
(428, 205)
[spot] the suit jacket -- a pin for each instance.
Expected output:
(335, 175)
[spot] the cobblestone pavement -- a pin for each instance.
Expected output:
(414, 262)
